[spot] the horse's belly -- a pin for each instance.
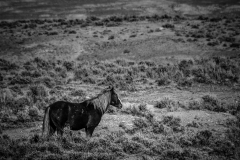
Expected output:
(77, 127)
(79, 122)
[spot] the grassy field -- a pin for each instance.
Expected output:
(178, 78)
(203, 128)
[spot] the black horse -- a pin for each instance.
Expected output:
(86, 114)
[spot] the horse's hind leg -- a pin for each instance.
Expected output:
(52, 129)
(59, 127)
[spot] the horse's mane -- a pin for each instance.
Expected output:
(100, 103)
(101, 93)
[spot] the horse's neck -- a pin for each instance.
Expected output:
(103, 102)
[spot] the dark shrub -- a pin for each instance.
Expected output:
(165, 103)
(81, 73)
(142, 107)
(21, 103)
(132, 147)
(41, 63)
(140, 123)
(223, 147)
(163, 81)
(112, 24)
(140, 111)
(193, 124)
(68, 65)
(17, 89)
(5, 65)
(116, 18)
(20, 80)
(48, 82)
(179, 154)
(184, 82)
(158, 128)
(132, 36)
(72, 32)
(52, 33)
(201, 17)
(174, 123)
(171, 26)
(212, 104)
(92, 18)
(22, 116)
(34, 139)
(202, 138)
(111, 37)
(25, 73)
(184, 64)
(33, 112)
(37, 92)
(1, 77)
(235, 45)
(54, 148)
(126, 51)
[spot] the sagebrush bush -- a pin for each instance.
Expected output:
(131, 147)
(20, 104)
(17, 89)
(6, 65)
(37, 92)
(139, 110)
(143, 140)
(174, 123)
(168, 25)
(193, 124)
(194, 105)
(202, 138)
(212, 104)
(184, 82)
(158, 128)
(140, 123)
(68, 65)
(223, 148)
(163, 81)
(82, 72)
(49, 82)
(43, 64)
(23, 116)
(167, 103)
(19, 80)
(34, 112)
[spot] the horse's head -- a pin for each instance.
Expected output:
(115, 101)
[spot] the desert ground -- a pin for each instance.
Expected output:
(174, 64)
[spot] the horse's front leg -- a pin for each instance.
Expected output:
(89, 132)
(60, 131)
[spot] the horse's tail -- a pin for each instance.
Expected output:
(46, 123)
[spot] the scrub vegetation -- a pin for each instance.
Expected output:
(177, 76)
(35, 84)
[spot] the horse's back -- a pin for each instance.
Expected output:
(59, 104)
(60, 109)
